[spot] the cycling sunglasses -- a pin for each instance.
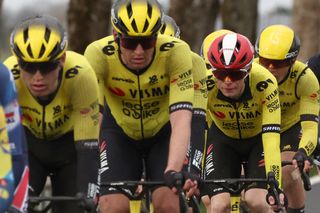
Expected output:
(43, 67)
(276, 64)
(131, 43)
(233, 75)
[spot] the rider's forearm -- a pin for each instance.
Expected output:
(309, 138)
(180, 138)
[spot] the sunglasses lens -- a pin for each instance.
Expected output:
(275, 63)
(131, 43)
(43, 67)
(233, 75)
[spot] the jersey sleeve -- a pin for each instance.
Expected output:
(308, 92)
(199, 73)
(85, 104)
(181, 78)
(271, 120)
(94, 55)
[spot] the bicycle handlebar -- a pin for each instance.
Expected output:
(118, 185)
(236, 185)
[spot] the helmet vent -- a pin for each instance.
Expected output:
(25, 35)
(149, 10)
(18, 51)
(54, 51)
(122, 26)
(29, 51)
(163, 29)
(47, 34)
(220, 46)
(129, 10)
(134, 25)
(146, 25)
(213, 59)
(243, 59)
(157, 26)
(237, 46)
(43, 49)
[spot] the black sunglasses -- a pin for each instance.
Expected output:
(277, 64)
(131, 43)
(43, 67)
(234, 75)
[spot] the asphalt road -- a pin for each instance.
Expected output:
(313, 196)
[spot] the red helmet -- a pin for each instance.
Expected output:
(232, 52)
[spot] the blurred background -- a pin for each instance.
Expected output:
(87, 20)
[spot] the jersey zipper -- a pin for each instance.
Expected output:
(43, 122)
(237, 116)
(141, 108)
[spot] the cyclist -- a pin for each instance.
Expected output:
(210, 82)
(193, 163)
(245, 112)
(58, 95)
(6, 170)
(146, 87)
(17, 140)
(278, 47)
(314, 64)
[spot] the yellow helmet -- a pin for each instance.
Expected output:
(39, 39)
(209, 40)
(278, 42)
(137, 17)
(170, 27)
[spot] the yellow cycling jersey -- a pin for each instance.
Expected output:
(299, 99)
(199, 72)
(5, 154)
(140, 101)
(74, 106)
(257, 111)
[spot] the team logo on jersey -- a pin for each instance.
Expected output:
(117, 91)
(56, 110)
(84, 111)
(196, 86)
(153, 79)
(246, 105)
(263, 85)
(72, 72)
(314, 96)
(219, 114)
(26, 117)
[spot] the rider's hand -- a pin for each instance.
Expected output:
(173, 179)
(271, 200)
(301, 157)
(186, 181)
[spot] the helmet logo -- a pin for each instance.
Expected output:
(113, 17)
(228, 46)
(292, 54)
